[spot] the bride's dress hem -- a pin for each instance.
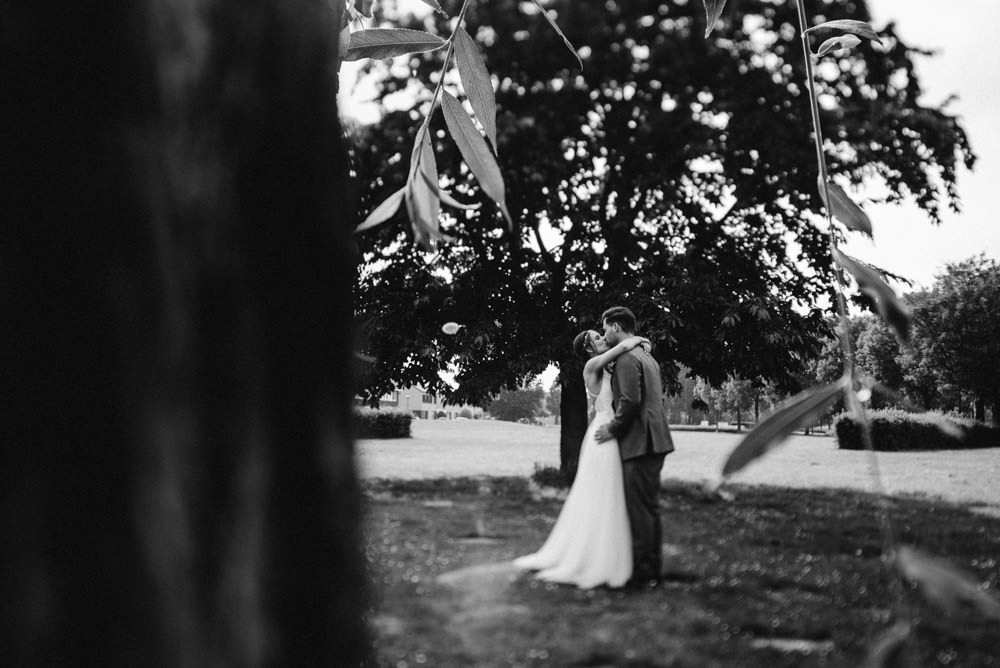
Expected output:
(590, 544)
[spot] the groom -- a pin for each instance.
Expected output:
(640, 425)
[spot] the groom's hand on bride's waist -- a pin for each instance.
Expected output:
(602, 434)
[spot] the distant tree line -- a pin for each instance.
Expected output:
(953, 361)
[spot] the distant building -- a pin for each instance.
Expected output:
(426, 406)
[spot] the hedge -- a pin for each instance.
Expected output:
(381, 424)
(550, 476)
(894, 430)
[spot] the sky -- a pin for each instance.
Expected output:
(963, 33)
(905, 241)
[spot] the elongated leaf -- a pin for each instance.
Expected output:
(943, 424)
(844, 208)
(943, 584)
(477, 154)
(383, 211)
(344, 40)
(380, 43)
(477, 84)
(895, 397)
(888, 647)
(363, 7)
(446, 198)
(435, 6)
(572, 49)
(842, 42)
(859, 28)
(713, 10)
(802, 410)
(420, 206)
(894, 312)
(424, 204)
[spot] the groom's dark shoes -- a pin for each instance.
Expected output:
(642, 582)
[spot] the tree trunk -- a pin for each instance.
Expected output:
(980, 409)
(739, 418)
(573, 415)
(756, 407)
(996, 411)
(176, 476)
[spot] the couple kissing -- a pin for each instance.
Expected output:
(609, 530)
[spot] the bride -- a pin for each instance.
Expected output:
(590, 544)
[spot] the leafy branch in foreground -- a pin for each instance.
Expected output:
(940, 582)
(422, 194)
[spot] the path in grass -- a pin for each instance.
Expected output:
(442, 448)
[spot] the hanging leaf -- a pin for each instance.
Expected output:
(844, 209)
(382, 212)
(859, 28)
(344, 39)
(888, 647)
(477, 154)
(943, 584)
(380, 43)
(842, 42)
(435, 6)
(943, 424)
(552, 23)
(477, 84)
(713, 10)
(894, 312)
(423, 202)
(446, 198)
(363, 7)
(802, 410)
(419, 206)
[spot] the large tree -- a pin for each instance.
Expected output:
(176, 473)
(673, 174)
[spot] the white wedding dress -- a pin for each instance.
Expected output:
(590, 544)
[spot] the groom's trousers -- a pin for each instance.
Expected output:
(642, 499)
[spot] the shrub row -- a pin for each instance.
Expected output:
(381, 424)
(894, 430)
(550, 476)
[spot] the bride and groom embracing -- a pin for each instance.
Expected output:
(608, 531)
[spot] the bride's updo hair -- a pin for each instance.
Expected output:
(582, 346)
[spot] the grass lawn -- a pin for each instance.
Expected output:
(442, 448)
(777, 577)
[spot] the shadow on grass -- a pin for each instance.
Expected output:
(777, 577)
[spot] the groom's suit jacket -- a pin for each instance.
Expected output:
(640, 421)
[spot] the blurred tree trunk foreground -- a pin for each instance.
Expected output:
(175, 270)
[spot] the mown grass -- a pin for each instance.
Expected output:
(774, 564)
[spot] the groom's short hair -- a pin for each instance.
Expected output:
(620, 316)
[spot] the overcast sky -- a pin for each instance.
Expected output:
(963, 32)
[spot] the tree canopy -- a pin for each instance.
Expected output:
(951, 361)
(957, 322)
(521, 404)
(673, 174)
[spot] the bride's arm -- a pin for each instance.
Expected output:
(600, 361)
